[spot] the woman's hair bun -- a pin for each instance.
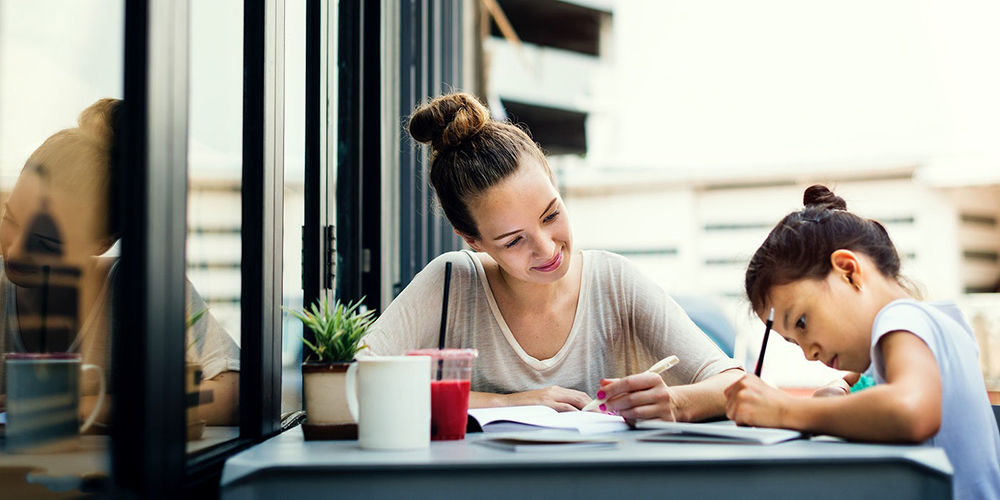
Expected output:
(820, 195)
(97, 121)
(448, 120)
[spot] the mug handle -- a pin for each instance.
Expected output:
(100, 398)
(350, 390)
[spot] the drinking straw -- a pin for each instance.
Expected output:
(43, 345)
(444, 316)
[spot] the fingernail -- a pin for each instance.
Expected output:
(603, 408)
(600, 394)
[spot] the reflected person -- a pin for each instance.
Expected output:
(57, 278)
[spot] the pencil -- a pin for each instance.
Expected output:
(763, 345)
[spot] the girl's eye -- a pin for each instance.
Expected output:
(801, 323)
(513, 242)
(552, 216)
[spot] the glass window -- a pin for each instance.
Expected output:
(294, 205)
(61, 88)
(214, 242)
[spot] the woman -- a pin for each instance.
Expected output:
(55, 282)
(549, 322)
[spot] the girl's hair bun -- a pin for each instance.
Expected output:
(448, 120)
(820, 195)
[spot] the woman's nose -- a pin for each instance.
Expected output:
(544, 244)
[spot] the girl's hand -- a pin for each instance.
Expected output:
(750, 401)
(643, 395)
(555, 397)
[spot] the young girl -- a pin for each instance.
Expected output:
(833, 281)
(549, 321)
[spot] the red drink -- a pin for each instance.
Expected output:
(449, 409)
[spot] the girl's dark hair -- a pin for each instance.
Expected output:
(799, 247)
(470, 152)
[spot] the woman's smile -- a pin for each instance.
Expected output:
(551, 265)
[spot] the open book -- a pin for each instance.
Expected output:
(714, 432)
(537, 417)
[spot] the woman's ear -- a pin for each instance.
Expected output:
(469, 240)
(848, 266)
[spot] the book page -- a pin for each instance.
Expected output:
(516, 418)
(725, 431)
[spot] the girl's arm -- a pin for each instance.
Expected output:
(907, 408)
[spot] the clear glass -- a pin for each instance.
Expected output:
(214, 242)
(61, 74)
(294, 206)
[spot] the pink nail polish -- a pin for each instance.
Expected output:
(603, 408)
(600, 394)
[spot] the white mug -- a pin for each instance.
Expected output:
(391, 402)
(43, 401)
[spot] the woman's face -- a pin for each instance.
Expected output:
(523, 225)
(77, 237)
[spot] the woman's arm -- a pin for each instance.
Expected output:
(224, 409)
(555, 397)
(646, 395)
(907, 408)
(838, 387)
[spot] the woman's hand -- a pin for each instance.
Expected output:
(831, 389)
(750, 401)
(555, 397)
(643, 395)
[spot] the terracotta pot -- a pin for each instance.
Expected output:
(192, 400)
(325, 401)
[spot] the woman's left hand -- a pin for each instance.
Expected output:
(643, 395)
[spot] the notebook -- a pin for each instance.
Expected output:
(714, 432)
(537, 417)
(546, 440)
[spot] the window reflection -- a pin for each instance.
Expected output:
(214, 242)
(60, 87)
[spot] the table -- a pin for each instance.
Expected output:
(287, 466)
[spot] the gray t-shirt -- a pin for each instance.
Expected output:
(207, 341)
(968, 430)
(624, 324)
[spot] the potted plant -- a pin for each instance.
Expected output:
(338, 331)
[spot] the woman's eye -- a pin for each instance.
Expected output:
(513, 242)
(552, 216)
(801, 323)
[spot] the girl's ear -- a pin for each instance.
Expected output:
(846, 264)
(469, 240)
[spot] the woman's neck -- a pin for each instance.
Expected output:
(539, 296)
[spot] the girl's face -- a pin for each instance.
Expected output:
(523, 225)
(827, 318)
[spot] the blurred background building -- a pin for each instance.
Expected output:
(682, 131)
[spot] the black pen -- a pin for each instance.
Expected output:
(763, 345)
